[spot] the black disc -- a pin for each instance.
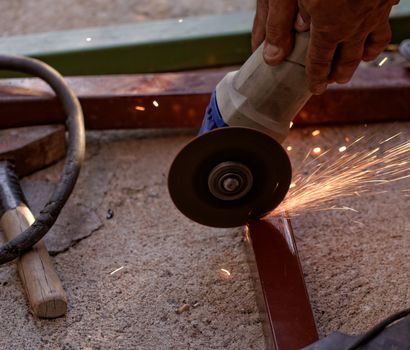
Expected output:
(263, 156)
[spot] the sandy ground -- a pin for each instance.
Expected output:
(356, 263)
(167, 261)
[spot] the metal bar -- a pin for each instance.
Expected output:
(400, 21)
(281, 292)
(178, 100)
(373, 95)
(158, 46)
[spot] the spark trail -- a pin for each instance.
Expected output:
(352, 173)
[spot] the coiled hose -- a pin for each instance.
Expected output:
(74, 157)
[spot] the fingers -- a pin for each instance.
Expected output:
(302, 25)
(319, 60)
(279, 30)
(347, 59)
(376, 42)
(259, 23)
(328, 61)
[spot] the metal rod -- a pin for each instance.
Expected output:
(281, 291)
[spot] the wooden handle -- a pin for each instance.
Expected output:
(44, 290)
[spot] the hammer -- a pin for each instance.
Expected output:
(22, 152)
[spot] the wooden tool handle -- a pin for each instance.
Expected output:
(44, 290)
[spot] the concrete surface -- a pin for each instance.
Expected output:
(356, 264)
(167, 262)
(32, 16)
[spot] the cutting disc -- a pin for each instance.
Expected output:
(229, 175)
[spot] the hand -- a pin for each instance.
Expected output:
(273, 23)
(343, 32)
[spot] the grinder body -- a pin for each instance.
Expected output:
(260, 96)
(236, 169)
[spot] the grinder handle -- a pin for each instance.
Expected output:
(43, 287)
(265, 97)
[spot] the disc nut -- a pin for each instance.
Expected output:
(230, 181)
(230, 184)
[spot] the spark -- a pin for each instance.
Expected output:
(116, 270)
(353, 173)
(88, 39)
(390, 138)
(342, 149)
(226, 272)
(383, 61)
(315, 132)
(155, 103)
(357, 140)
(290, 125)
(358, 222)
(317, 150)
(289, 148)
(246, 234)
(341, 208)
(139, 108)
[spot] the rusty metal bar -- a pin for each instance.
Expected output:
(281, 292)
(177, 100)
(373, 95)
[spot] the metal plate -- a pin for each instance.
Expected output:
(188, 176)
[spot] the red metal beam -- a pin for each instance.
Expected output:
(373, 95)
(280, 286)
(127, 101)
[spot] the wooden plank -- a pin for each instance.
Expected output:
(158, 46)
(281, 292)
(32, 148)
(178, 100)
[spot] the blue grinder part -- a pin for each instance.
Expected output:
(212, 119)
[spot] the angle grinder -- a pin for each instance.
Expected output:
(236, 169)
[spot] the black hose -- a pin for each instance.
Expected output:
(74, 157)
(372, 333)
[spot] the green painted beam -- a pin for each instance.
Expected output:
(158, 46)
(400, 21)
(168, 45)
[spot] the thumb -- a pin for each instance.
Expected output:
(279, 30)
